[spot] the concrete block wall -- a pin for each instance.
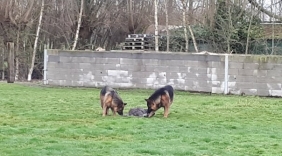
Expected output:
(192, 72)
(255, 75)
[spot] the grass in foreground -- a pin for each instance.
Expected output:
(68, 121)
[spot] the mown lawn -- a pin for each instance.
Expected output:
(42, 121)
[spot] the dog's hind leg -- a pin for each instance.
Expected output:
(106, 104)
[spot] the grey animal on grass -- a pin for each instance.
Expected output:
(139, 112)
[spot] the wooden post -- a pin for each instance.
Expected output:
(11, 62)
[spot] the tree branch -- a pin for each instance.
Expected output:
(260, 8)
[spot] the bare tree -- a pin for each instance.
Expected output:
(35, 42)
(130, 17)
(184, 6)
(78, 25)
(156, 26)
(269, 13)
(166, 23)
(248, 34)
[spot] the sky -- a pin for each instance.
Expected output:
(276, 8)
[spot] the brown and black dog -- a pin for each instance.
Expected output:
(110, 99)
(162, 97)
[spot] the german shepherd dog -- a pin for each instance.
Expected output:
(162, 97)
(110, 99)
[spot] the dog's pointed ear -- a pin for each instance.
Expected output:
(125, 103)
(147, 100)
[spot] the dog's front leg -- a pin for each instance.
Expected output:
(105, 110)
(166, 111)
(114, 112)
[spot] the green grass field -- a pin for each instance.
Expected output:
(37, 120)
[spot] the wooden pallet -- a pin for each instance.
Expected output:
(136, 43)
(137, 47)
(139, 35)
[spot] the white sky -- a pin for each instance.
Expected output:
(275, 8)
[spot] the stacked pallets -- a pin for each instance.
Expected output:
(139, 42)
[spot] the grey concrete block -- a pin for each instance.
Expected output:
(176, 81)
(140, 80)
(202, 64)
(66, 66)
(250, 65)
(276, 93)
(99, 66)
(274, 86)
(119, 73)
(86, 65)
(214, 64)
(51, 65)
(276, 73)
(261, 73)
(260, 85)
(214, 58)
(150, 62)
(216, 77)
(53, 58)
(238, 78)
(277, 66)
(90, 84)
(124, 79)
(249, 91)
(216, 83)
(144, 74)
(245, 85)
(174, 68)
(263, 92)
(192, 70)
(216, 71)
(145, 86)
(234, 91)
(134, 68)
(66, 59)
(265, 79)
(73, 77)
(236, 65)
(69, 53)
(175, 75)
(201, 70)
(203, 77)
(248, 72)
(217, 90)
(157, 68)
(190, 63)
(107, 60)
(77, 83)
(204, 89)
(233, 71)
(266, 66)
(96, 72)
(107, 66)
(235, 58)
(171, 62)
(83, 60)
(131, 61)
